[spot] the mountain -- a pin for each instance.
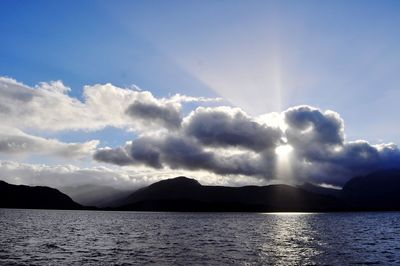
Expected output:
(185, 194)
(321, 190)
(95, 195)
(376, 191)
(20, 196)
(373, 192)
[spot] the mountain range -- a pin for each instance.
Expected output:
(374, 192)
(95, 195)
(39, 197)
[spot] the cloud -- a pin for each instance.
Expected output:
(179, 98)
(153, 113)
(123, 178)
(48, 106)
(65, 175)
(322, 153)
(312, 133)
(119, 156)
(14, 91)
(16, 142)
(183, 152)
(354, 158)
(178, 152)
(306, 121)
(226, 141)
(226, 126)
(219, 141)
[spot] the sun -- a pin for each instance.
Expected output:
(283, 150)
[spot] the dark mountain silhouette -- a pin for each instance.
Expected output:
(376, 191)
(95, 195)
(20, 196)
(185, 194)
(373, 192)
(321, 190)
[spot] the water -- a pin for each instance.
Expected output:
(52, 237)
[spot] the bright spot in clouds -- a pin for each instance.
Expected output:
(283, 150)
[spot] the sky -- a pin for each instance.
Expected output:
(125, 93)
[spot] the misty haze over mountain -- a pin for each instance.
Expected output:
(95, 195)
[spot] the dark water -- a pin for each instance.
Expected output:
(48, 237)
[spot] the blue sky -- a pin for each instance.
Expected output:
(260, 56)
(84, 43)
(340, 55)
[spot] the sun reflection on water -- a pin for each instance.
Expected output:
(295, 241)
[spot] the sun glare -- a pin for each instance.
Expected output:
(283, 150)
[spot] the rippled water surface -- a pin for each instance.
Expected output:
(52, 237)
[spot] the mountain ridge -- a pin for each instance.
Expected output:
(178, 192)
(377, 191)
(34, 197)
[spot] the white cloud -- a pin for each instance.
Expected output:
(62, 175)
(15, 142)
(48, 106)
(123, 178)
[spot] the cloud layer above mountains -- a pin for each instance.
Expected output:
(227, 141)
(222, 140)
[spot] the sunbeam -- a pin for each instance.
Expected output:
(283, 167)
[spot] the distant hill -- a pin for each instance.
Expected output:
(376, 191)
(20, 196)
(95, 195)
(185, 194)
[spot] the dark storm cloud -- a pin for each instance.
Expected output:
(309, 125)
(319, 137)
(155, 113)
(318, 140)
(361, 157)
(179, 152)
(118, 156)
(355, 159)
(186, 148)
(313, 134)
(147, 151)
(226, 141)
(230, 127)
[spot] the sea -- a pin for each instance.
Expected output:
(63, 237)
